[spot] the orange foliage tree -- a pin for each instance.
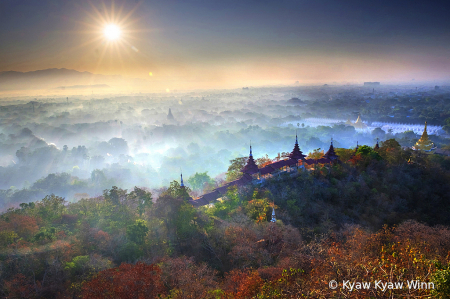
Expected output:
(24, 226)
(126, 282)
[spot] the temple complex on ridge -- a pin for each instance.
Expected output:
(424, 143)
(296, 160)
(253, 174)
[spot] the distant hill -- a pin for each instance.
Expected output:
(60, 78)
(95, 86)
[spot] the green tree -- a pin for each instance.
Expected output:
(144, 199)
(315, 154)
(447, 125)
(258, 207)
(198, 181)
(115, 195)
(441, 279)
(369, 152)
(391, 151)
(138, 231)
(176, 191)
(378, 132)
(7, 237)
(344, 154)
(185, 221)
(234, 170)
(263, 160)
(51, 207)
(391, 143)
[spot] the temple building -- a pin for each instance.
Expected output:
(288, 165)
(181, 181)
(273, 215)
(183, 192)
(377, 147)
(331, 154)
(250, 168)
(170, 115)
(359, 125)
(296, 153)
(424, 143)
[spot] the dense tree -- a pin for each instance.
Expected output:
(144, 199)
(138, 231)
(118, 146)
(234, 170)
(199, 181)
(126, 281)
(176, 191)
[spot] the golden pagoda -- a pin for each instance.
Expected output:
(359, 124)
(424, 143)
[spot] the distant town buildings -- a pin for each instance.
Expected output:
(360, 125)
(372, 84)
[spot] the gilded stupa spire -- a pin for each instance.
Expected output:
(359, 123)
(424, 143)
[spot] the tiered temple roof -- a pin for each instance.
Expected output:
(331, 154)
(296, 152)
(250, 167)
(376, 146)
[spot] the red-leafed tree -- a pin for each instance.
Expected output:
(24, 226)
(18, 286)
(242, 284)
(126, 282)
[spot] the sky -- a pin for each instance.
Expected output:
(229, 43)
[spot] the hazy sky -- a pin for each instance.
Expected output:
(207, 43)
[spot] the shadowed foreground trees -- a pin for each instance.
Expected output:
(409, 253)
(122, 244)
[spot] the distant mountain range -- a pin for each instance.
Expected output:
(94, 86)
(61, 79)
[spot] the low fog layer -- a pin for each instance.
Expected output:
(68, 145)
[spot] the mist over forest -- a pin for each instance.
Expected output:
(79, 145)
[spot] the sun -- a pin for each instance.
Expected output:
(112, 32)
